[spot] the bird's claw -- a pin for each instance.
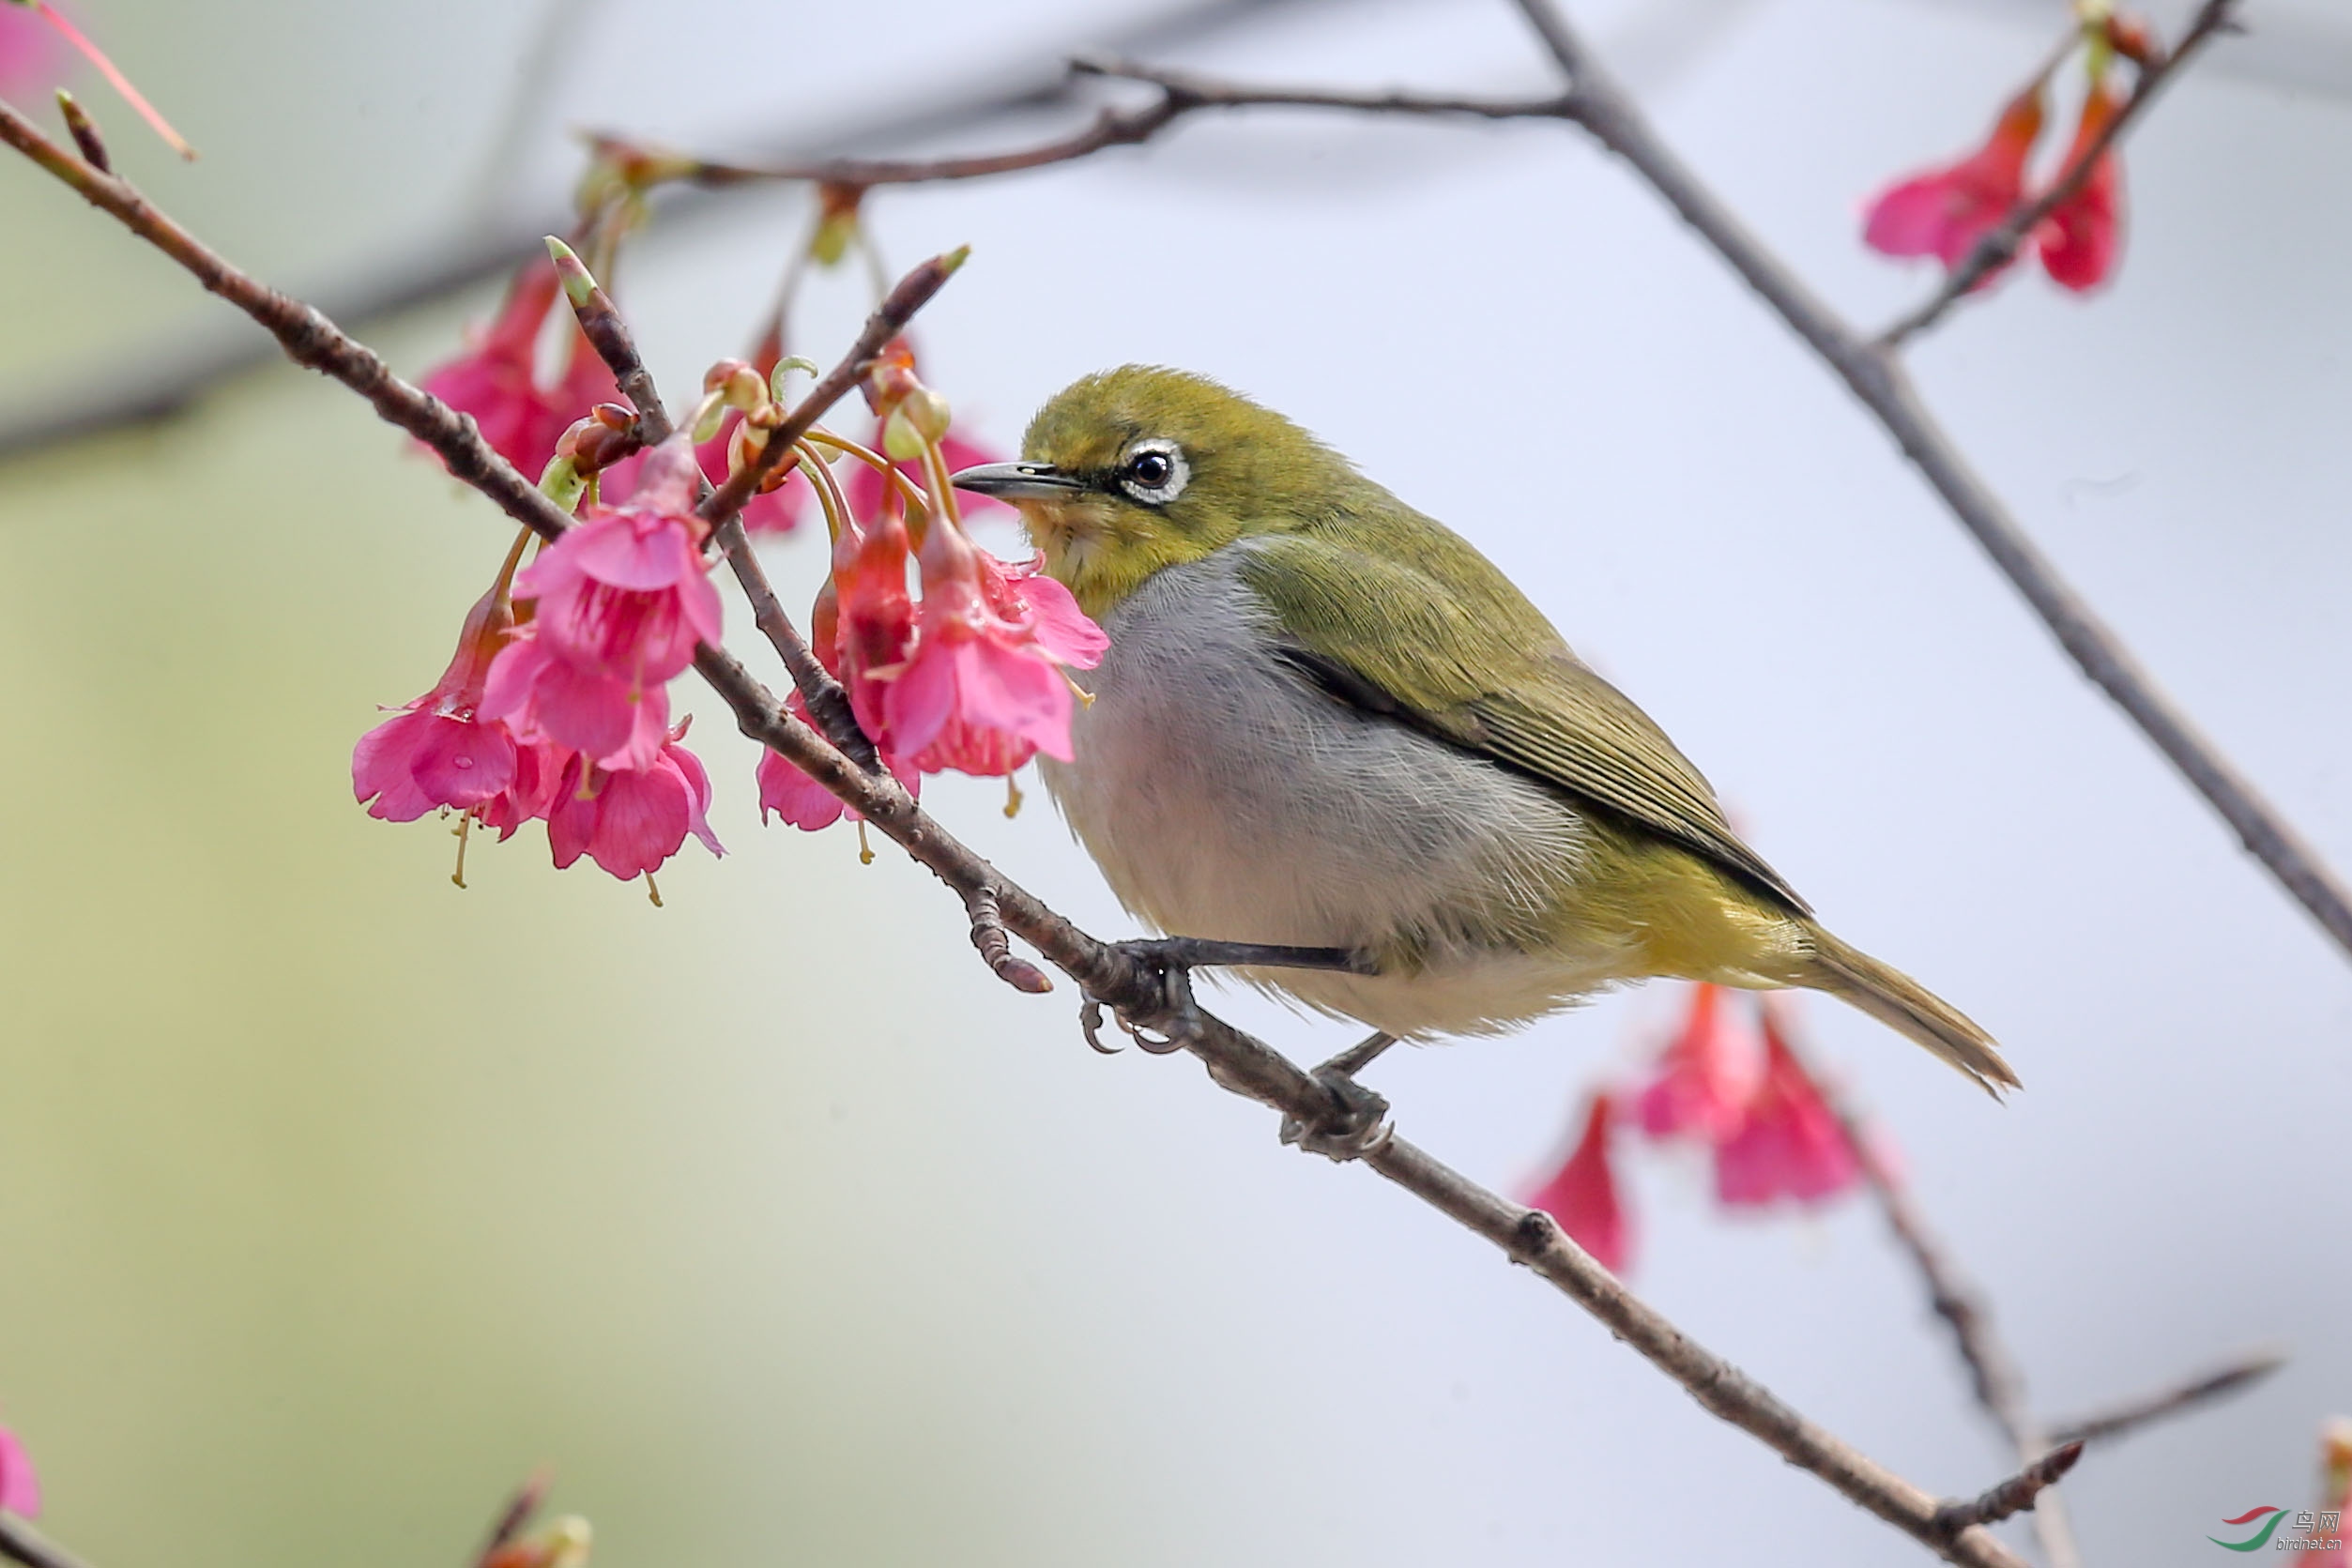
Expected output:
(1176, 1023)
(1355, 1125)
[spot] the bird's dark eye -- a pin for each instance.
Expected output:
(1155, 472)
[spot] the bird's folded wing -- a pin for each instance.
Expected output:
(1483, 670)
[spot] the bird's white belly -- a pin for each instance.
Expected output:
(1225, 797)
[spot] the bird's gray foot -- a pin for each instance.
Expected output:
(1356, 1122)
(1175, 957)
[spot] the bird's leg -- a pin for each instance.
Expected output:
(1175, 957)
(1355, 1120)
(1358, 1057)
(1188, 952)
(1356, 1123)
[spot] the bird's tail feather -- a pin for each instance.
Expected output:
(1902, 1004)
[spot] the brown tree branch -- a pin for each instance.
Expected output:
(1998, 247)
(1993, 1375)
(1138, 990)
(2015, 1495)
(2248, 1369)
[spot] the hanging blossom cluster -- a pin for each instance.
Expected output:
(1731, 1082)
(1943, 212)
(555, 705)
(968, 677)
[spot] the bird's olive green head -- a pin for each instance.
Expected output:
(1137, 469)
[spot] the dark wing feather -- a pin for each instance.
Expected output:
(1483, 670)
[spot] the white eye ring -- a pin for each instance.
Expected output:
(1154, 472)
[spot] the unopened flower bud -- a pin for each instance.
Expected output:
(927, 412)
(2129, 37)
(890, 378)
(836, 222)
(901, 439)
(605, 438)
(739, 381)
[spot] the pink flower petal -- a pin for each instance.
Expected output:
(380, 769)
(19, 1488)
(1582, 1195)
(463, 763)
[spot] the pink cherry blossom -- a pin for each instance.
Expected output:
(545, 699)
(437, 753)
(31, 55)
(1791, 1144)
(1705, 1076)
(539, 768)
(1943, 212)
(983, 692)
(620, 603)
(2080, 239)
(1582, 1194)
(497, 380)
(631, 820)
(1021, 590)
(806, 804)
(19, 1488)
(864, 620)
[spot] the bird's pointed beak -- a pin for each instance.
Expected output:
(1018, 481)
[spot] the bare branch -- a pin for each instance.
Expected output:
(1998, 247)
(1193, 91)
(1994, 1374)
(1110, 127)
(2248, 1369)
(1180, 94)
(2015, 1495)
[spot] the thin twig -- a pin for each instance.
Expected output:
(996, 947)
(1195, 91)
(1997, 247)
(1993, 1375)
(2013, 1496)
(1180, 94)
(2248, 1369)
(1110, 127)
(20, 1543)
(1877, 378)
(1135, 988)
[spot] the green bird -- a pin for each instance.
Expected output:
(1326, 721)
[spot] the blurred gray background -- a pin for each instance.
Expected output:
(332, 1199)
